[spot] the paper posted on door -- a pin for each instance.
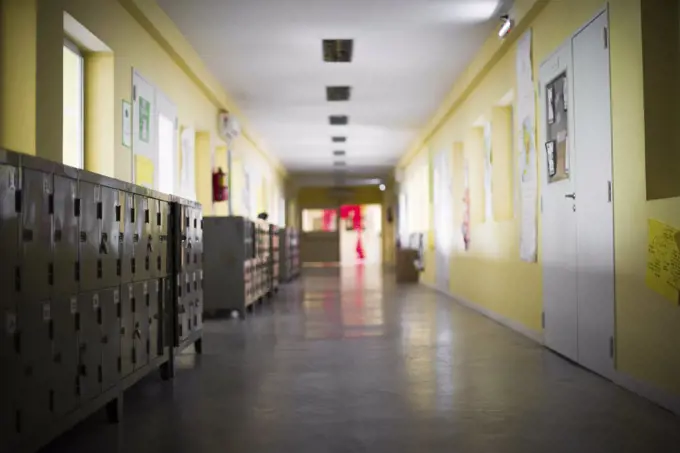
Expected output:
(663, 260)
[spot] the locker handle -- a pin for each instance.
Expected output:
(83, 236)
(103, 246)
(137, 334)
(105, 339)
(149, 247)
(135, 238)
(120, 238)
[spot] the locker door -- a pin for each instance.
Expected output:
(9, 244)
(35, 348)
(9, 364)
(9, 233)
(163, 216)
(127, 329)
(110, 322)
(108, 248)
(89, 346)
(154, 238)
(90, 235)
(141, 239)
(154, 318)
(65, 236)
(126, 244)
(140, 355)
(36, 236)
(64, 373)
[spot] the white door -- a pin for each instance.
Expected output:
(558, 205)
(168, 159)
(443, 218)
(144, 127)
(594, 212)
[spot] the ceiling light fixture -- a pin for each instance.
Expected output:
(339, 139)
(338, 153)
(506, 28)
(382, 187)
(338, 120)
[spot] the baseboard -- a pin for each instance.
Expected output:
(657, 396)
(654, 394)
(507, 322)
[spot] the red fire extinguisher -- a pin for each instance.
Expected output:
(219, 182)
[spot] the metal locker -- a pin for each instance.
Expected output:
(127, 328)
(110, 230)
(183, 312)
(64, 364)
(66, 235)
(155, 318)
(109, 301)
(126, 243)
(140, 355)
(154, 238)
(9, 368)
(35, 349)
(141, 239)
(89, 346)
(163, 216)
(90, 210)
(186, 237)
(9, 232)
(37, 269)
(198, 238)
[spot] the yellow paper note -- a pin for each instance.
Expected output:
(663, 260)
(144, 171)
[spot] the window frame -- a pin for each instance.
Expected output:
(73, 47)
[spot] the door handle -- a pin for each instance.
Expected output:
(570, 195)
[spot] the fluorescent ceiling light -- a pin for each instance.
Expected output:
(506, 27)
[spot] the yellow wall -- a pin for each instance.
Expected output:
(648, 327)
(17, 74)
(140, 36)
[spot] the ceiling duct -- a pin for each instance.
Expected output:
(339, 139)
(337, 50)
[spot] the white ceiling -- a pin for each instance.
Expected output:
(268, 56)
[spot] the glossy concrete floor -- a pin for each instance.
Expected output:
(346, 361)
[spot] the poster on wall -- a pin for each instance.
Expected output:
(466, 205)
(488, 174)
(527, 162)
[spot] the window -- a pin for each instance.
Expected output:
(74, 85)
(319, 220)
(166, 154)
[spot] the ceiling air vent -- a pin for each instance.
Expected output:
(338, 93)
(339, 139)
(339, 163)
(337, 50)
(338, 120)
(339, 153)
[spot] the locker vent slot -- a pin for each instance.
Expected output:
(132, 265)
(77, 271)
(146, 263)
(146, 216)
(27, 235)
(57, 235)
(100, 214)
(76, 207)
(51, 400)
(337, 50)
(117, 213)
(99, 374)
(99, 269)
(50, 204)
(50, 273)
(158, 219)
(338, 93)
(17, 278)
(132, 215)
(118, 267)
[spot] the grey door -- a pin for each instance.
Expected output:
(64, 364)
(90, 231)
(108, 247)
(110, 325)
(140, 356)
(35, 349)
(127, 328)
(65, 236)
(89, 346)
(36, 236)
